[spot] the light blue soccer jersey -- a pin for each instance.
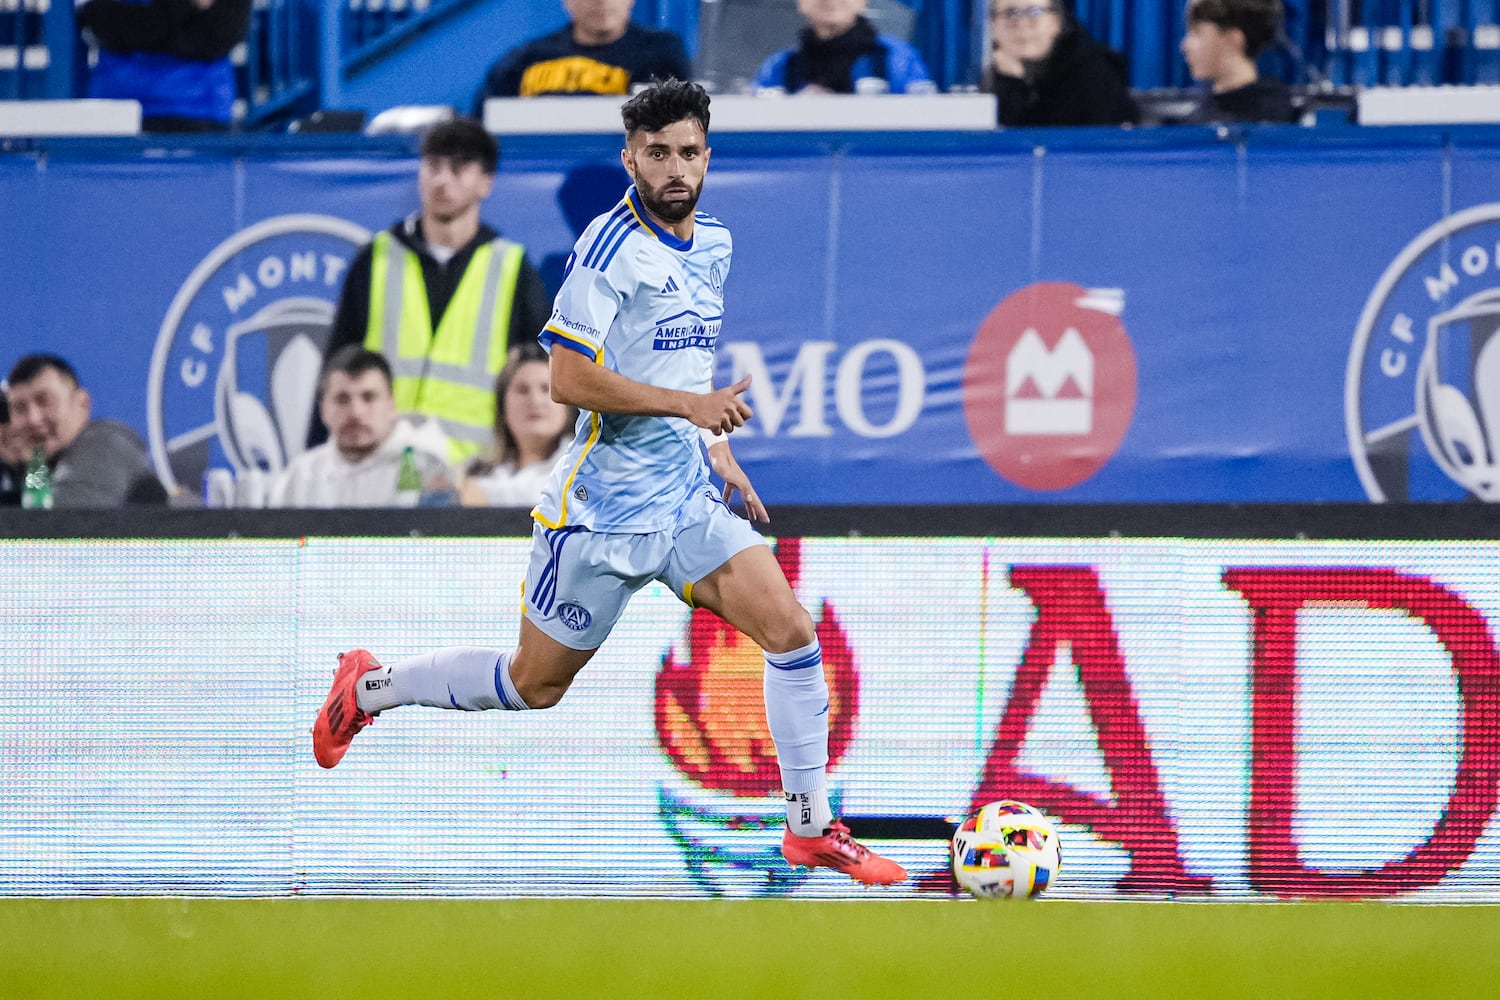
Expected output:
(648, 305)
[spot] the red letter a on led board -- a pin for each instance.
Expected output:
(1070, 609)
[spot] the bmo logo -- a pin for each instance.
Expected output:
(1049, 385)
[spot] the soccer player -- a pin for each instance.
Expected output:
(631, 343)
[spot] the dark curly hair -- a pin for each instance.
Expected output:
(463, 140)
(33, 365)
(1258, 20)
(664, 102)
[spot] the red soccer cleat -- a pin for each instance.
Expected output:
(838, 850)
(341, 716)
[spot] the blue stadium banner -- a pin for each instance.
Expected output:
(1276, 315)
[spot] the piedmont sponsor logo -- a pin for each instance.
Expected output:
(558, 319)
(686, 329)
(234, 371)
(1422, 386)
(1050, 384)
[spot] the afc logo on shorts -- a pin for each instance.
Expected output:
(235, 368)
(1422, 387)
(575, 616)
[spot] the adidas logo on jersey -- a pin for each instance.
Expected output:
(670, 286)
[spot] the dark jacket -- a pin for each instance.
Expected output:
(1081, 82)
(1266, 100)
(10, 485)
(105, 466)
(528, 314)
(847, 64)
(555, 64)
(167, 54)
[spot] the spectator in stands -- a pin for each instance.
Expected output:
(171, 55)
(1046, 70)
(601, 51)
(12, 458)
(839, 51)
(360, 464)
(1223, 39)
(531, 430)
(94, 463)
(416, 293)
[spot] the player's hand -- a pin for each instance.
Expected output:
(722, 410)
(735, 481)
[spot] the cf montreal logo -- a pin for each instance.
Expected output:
(1049, 385)
(1422, 391)
(235, 368)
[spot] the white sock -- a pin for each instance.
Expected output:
(797, 715)
(808, 813)
(468, 678)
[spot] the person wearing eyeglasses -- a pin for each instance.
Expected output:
(1223, 39)
(1046, 70)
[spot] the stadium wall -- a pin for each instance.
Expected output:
(1204, 315)
(1217, 702)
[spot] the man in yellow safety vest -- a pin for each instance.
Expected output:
(442, 295)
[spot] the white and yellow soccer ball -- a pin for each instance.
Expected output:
(1006, 850)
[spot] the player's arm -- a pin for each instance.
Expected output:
(578, 381)
(722, 461)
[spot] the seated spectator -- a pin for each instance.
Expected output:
(531, 430)
(1046, 70)
(360, 463)
(171, 55)
(601, 51)
(1223, 39)
(840, 52)
(94, 463)
(12, 458)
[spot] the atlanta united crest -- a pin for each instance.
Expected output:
(234, 371)
(1422, 390)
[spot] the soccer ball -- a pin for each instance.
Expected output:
(1006, 850)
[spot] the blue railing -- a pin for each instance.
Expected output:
(1396, 43)
(300, 51)
(36, 49)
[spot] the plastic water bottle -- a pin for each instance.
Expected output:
(408, 480)
(252, 488)
(218, 488)
(36, 489)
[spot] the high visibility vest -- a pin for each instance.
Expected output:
(449, 373)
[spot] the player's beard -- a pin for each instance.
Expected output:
(669, 211)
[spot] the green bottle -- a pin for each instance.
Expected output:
(408, 480)
(36, 489)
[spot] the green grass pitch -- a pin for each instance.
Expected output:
(417, 949)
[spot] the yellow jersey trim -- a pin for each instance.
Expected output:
(596, 427)
(572, 338)
(630, 203)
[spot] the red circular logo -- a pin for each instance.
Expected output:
(1049, 384)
